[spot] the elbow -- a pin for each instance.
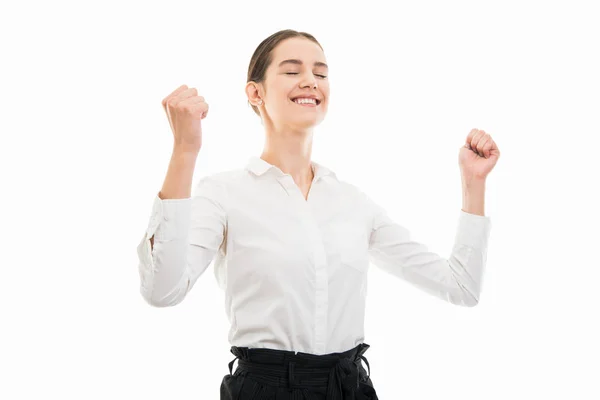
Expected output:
(155, 293)
(468, 300)
(160, 302)
(155, 299)
(463, 301)
(462, 297)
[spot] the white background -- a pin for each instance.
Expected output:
(86, 144)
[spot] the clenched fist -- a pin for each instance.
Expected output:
(478, 156)
(185, 109)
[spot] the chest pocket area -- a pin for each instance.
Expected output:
(350, 243)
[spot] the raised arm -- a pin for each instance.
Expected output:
(184, 231)
(456, 279)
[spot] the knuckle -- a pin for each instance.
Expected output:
(181, 105)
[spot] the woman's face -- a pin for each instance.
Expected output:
(298, 70)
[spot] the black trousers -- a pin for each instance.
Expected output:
(269, 374)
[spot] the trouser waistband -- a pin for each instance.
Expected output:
(302, 370)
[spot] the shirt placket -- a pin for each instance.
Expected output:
(315, 239)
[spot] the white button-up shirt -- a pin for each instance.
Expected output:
(294, 271)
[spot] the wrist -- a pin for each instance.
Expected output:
(473, 196)
(472, 182)
(185, 152)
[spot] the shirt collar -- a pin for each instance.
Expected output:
(258, 166)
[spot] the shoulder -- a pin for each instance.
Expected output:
(349, 189)
(215, 186)
(221, 178)
(340, 184)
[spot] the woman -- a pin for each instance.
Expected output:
(291, 242)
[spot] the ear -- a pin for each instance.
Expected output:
(253, 92)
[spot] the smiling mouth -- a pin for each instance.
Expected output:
(307, 103)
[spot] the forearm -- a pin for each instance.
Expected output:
(473, 196)
(178, 182)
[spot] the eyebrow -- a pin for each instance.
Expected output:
(299, 62)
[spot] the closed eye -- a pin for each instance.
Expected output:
(295, 73)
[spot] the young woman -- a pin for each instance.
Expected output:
(292, 242)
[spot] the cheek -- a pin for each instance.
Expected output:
(325, 93)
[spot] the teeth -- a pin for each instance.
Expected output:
(305, 101)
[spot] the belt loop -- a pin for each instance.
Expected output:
(365, 360)
(231, 365)
(239, 353)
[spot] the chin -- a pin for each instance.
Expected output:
(308, 123)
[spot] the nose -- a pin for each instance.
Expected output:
(310, 81)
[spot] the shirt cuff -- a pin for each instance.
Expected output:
(170, 219)
(473, 230)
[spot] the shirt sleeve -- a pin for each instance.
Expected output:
(456, 279)
(187, 234)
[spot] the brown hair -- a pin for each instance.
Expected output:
(261, 59)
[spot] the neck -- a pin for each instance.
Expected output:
(290, 151)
